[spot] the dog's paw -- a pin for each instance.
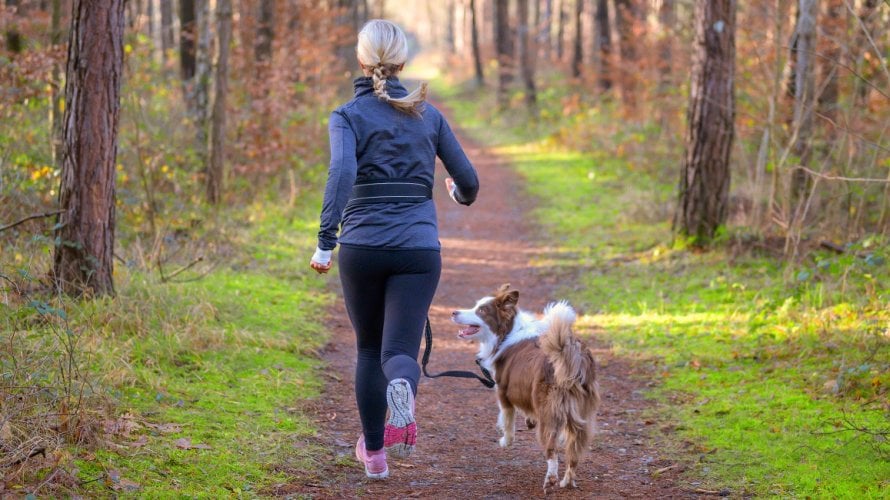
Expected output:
(529, 423)
(505, 441)
(566, 481)
(549, 481)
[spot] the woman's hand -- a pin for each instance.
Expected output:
(452, 188)
(321, 261)
(321, 268)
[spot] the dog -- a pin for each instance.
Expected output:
(540, 368)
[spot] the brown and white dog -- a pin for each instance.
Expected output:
(540, 368)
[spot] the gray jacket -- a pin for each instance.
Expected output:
(371, 140)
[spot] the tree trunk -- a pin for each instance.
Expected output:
(504, 45)
(167, 35)
(474, 38)
(187, 39)
(561, 18)
(546, 36)
(604, 45)
(215, 170)
(203, 77)
(264, 31)
(865, 66)
(14, 42)
(834, 29)
(628, 22)
(578, 47)
(57, 103)
(804, 93)
(527, 49)
(449, 27)
(704, 181)
(667, 18)
(83, 260)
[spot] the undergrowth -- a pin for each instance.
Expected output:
(773, 375)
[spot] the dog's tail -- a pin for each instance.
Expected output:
(573, 367)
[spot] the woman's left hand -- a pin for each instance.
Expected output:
(321, 268)
(321, 261)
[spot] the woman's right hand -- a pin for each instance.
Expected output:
(320, 268)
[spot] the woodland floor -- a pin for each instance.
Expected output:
(457, 455)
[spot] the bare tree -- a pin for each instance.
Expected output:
(504, 45)
(203, 77)
(578, 45)
(704, 180)
(215, 169)
(14, 42)
(667, 17)
(83, 258)
(474, 41)
(560, 28)
(604, 45)
(804, 94)
(527, 50)
(629, 20)
(833, 30)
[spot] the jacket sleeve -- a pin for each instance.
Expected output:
(341, 177)
(458, 166)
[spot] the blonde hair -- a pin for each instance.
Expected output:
(382, 49)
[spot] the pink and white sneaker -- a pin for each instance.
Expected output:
(400, 432)
(374, 461)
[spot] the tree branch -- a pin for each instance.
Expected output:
(26, 219)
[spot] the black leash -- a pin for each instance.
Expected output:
(487, 381)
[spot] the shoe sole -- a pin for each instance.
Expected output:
(400, 434)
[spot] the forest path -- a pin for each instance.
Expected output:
(457, 454)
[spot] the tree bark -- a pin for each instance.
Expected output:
(474, 39)
(215, 170)
(578, 45)
(14, 41)
(527, 49)
(705, 178)
(83, 260)
(804, 94)
(504, 45)
(57, 103)
(187, 39)
(604, 45)
(667, 18)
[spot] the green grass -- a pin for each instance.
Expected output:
(763, 366)
(222, 361)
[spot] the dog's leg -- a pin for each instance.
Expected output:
(552, 468)
(506, 423)
(576, 444)
(548, 438)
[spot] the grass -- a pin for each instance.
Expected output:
(204, 376)
(766, 369)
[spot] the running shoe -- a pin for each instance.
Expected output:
(374, 461)
(400, 433)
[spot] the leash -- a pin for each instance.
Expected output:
(487, 380)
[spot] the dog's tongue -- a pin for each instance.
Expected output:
(468, 331)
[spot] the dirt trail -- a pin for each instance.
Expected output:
(457, 455)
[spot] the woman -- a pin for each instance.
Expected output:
(384, 144)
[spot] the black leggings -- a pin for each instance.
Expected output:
(388, 295)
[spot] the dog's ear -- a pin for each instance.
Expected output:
(503, 288)
(509, 298)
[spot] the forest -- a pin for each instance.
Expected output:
(706, 181)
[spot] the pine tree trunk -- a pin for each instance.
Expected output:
(560, 28)
(629, 16)
(167, 38)
(527, 49)
(474, 38)
(604, 45)
(57, 103)
(215, 170)
(187, 39)
(203, 77)
(83, 261)
(504, 45)
(804, 94)
(704, 181)
(667, 18)
(578, 45)
(14, 42)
